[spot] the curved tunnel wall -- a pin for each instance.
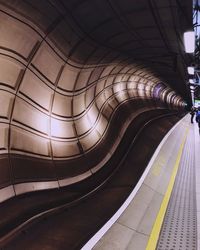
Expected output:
(56, 103)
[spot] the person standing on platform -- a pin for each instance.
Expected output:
(198, 118)
(192, 113)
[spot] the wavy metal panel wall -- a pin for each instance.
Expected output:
(62, 81)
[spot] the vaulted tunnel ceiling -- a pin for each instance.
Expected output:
(65, 69)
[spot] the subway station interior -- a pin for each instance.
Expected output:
(97, 147)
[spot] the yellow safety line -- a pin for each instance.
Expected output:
(151, 245)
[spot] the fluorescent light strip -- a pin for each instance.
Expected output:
(191, 81)
(190, 70)
(189, 41)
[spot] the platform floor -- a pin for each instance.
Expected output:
(179, 228)
(163, 212)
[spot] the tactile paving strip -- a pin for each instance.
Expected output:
(179, 229)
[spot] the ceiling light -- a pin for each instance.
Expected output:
(190, 70)
(189, 41)
(191, 80)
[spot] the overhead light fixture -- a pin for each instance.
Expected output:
(189, 41)
(191, 80)
(190, 70)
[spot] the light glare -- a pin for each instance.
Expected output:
(191, 81)
(189, 41)
(190, 70)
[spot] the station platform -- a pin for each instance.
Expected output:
(163, 210)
